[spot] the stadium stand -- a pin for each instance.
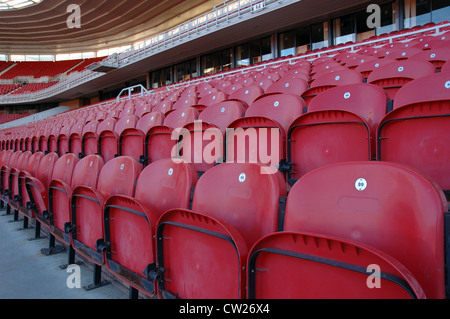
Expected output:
(296, 177)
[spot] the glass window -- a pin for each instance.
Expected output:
(227, 59)
(441, 10)
(388, 22)
(211, 63)
(362, 29)
(319, 35)
(303, 40)
(161, 77)
(344, 29)
(242, 55)
(417, 12)
(266, 49)
(286, 43)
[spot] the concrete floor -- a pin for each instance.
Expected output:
(27, 274)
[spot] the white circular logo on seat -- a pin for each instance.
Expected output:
(170, 172)
(447, 84)
(361, 184)
(242, 178)
(122, 167)
(400, 69)
(347, 95)
(276, 104)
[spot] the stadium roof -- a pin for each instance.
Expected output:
(42, 27)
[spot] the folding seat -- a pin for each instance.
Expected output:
(294, 265)
(393, 76)
(43, 139)
(13, 184)
(164, 107)
(59, 171)
(85, 172)
(330, 80)
(21, 197)
(117, 177)
(9, 163)
(403, 54)
(131, 140)
(231, 88)
(290, 85)
(247, 94)
(223, 113)
(428, 43)
(211, 98)
(233, 206)
(36, 188)
(109, 138)
(76, 137)
(415, 133)
(325, 68)
(89, 139)
(185, 101)
(341, 125)
(436, 56)
(358, 60)
(161, 140)
(142, 109)
(130, 222)
(52, 141)
(367, 67)
(260, 136)
(62, 142)
(390, 207)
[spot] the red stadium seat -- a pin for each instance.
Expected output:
(22, 198)
(292, 265)
(260, 137)
(107, 139)
(37, 190)
(383, 205)
(117, 177)
(161, 140)
(330, 80)
(228, 216)
(13, 189)
(131, 140)
(416, 132)
(393, 76)
(85, 173)
(130, 222)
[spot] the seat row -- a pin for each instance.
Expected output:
(236, 232)
(345, 123)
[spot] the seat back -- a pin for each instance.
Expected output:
(130, 224)
(391, 77)
(416, 132)
(292, 265)
(83, 172)
(367, 101)
(215, 248)
(222, 114)
(383, 205)
(319, 138)
(243, 195)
